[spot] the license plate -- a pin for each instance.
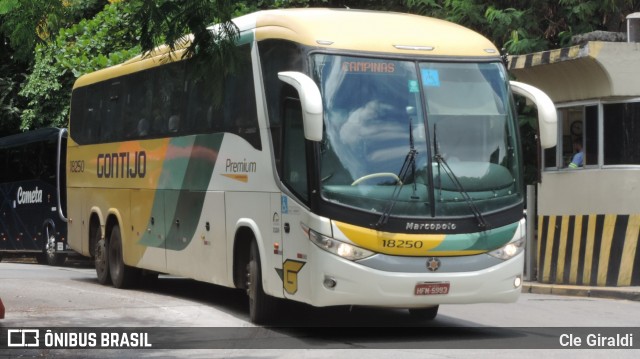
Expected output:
(437, 288)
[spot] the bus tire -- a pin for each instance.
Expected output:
(56, 259)
(428, 313)
(122, 276)
(261, 305)
(101, 260)
(52, 256)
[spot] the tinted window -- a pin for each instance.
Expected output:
(170, 100)
(621, 133)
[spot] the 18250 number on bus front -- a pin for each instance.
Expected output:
(401, 243)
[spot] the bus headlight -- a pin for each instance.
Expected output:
(510, 250)
(342, 249)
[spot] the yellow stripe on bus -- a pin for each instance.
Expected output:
(395, 243)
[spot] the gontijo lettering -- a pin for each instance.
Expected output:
(122, 165)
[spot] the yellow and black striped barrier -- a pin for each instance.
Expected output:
(595, 250)
(547, 57)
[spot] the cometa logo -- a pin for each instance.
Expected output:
(28, 197)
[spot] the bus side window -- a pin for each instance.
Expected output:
(294, 163)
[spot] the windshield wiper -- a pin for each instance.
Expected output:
(452, 176)
(409, 164)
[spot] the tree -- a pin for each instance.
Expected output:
(107, 39)
(12, 74)
(523, 26)
(27, 23)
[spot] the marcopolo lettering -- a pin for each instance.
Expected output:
(412, 226)
(122, 165)
(28, 197)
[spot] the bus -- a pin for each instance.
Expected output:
(33, 194)
(351, 158)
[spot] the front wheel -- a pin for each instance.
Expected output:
(122, 276)
(261, 305)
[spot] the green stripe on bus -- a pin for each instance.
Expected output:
(485, 241)
(181, 207)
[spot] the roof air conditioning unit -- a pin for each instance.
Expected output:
(633, 27)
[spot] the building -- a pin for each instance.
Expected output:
(589, 213)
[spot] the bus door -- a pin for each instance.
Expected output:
(296, 282)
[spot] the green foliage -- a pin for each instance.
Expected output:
(6, 6)
(107, 39)
(524, 26)
(48, 91)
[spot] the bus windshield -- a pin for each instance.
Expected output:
(424, 135)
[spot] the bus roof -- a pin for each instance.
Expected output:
(41, 134)
(339, 29)
(371, 31)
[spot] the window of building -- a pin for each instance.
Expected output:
(621, 127)
(577, 133)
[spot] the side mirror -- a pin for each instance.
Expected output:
(547, 115)
(310, 100)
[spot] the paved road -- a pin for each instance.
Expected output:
(42, 296)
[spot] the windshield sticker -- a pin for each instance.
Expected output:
(430, 77)
(364, 67)
(413, 86)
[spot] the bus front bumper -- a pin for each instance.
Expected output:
(336, 281)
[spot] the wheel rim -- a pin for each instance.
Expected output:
(100, 261)
(251, 283)
(114, 258)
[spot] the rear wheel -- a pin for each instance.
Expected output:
(101, 260)
(122, 275)
(425, 313)
(261, 306)
(100, 255)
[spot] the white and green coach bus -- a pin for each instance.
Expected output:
(352, 158)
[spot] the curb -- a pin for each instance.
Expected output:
(625, 293)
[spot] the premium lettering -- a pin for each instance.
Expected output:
(122, 165)
(242, 166)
